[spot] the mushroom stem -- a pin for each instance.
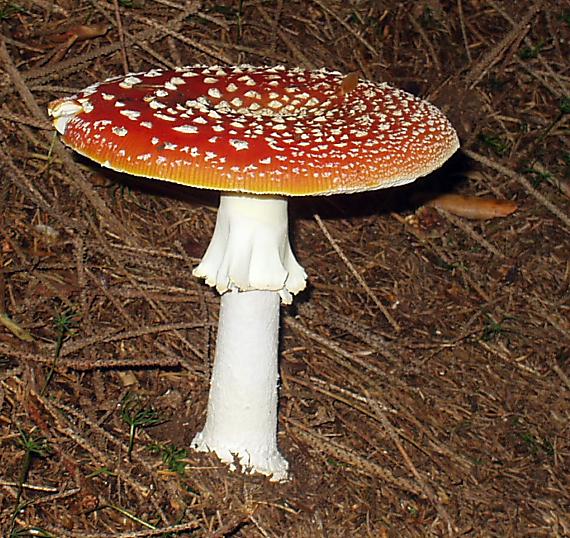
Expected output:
(242, 407)
(250, 262)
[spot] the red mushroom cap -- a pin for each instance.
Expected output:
(258, 130)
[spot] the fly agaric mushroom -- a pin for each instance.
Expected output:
(258, 135)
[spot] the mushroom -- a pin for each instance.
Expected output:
(258, 135)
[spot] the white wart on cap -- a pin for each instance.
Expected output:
(259, 130)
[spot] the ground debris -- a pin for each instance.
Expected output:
(429, 398)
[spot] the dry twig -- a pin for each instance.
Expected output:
(356, 274)
(490, 163)
(485, 64)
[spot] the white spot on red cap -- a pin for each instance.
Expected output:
(252, 94)
(131, 114)
(188, 129)
(214, 92)
(119, 131)
(86, 105)
(128, 82)
(239, 145)
(214, 115)
(156, 105)
(165, 117)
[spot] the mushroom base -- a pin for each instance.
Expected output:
(241, 424)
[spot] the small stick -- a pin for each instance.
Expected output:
(523, 181)
(64, 425)
(345, 454)
(563, 377)
(296, 51)
(159, 531)
(529, 43)
(115, 335)
(184, 39)
(77, 180)
(463, 31)
(428, 491)
(32, 122)
(442, 255)
(419, 29)
(121, 36)
(356, 274)
(334, 14)
(478, 238)
(493, 56)
(32, 487)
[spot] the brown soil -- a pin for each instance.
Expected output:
(435, 403)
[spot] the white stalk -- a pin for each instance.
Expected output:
(250, 261)
(250, 248)
(242, 407)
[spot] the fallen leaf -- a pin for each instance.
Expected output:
(348, 83)
(473, 207)
(81, 32)
(127, 378)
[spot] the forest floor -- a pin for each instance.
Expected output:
(435, 401)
